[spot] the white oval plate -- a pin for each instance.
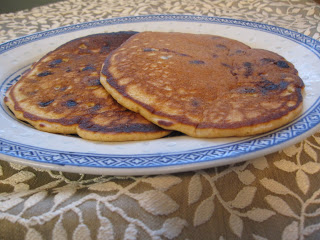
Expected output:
(22, 144)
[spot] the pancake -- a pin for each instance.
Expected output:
(203, 85)
(61, 93)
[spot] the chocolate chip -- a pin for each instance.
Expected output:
(87, 68)
(165, 50)
(94, 82)
(267, 60)
(45, 73)
(55, 62)
(148, 49)
(221, 46)
(197, 62)
(71, 103)
(84, 51)
(271, 87)
(239, 51)
(249, 69)
(63, 89)
(247, 90)
(226, 65)
(283, 84)
(247, 64)
(174, 52)
(267, 85)
(96, 107)
(195, 103)
(233, 73)
(282, 64)
(105, 49)
(45, 104)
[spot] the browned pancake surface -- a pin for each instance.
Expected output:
(62, 93)
(203, 85)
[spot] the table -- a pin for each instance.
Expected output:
(273, 197)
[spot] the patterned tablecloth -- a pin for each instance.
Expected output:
(274, 197)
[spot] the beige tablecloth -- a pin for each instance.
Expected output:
(273, 197)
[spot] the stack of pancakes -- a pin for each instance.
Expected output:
(136, 86)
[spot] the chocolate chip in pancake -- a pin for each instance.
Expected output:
(203, 85)
(61, 93)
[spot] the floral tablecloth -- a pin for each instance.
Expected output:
(273, 197)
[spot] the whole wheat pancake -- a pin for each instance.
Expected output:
(203, 85)
(61, 93)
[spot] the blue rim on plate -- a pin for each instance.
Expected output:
(307, 122)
